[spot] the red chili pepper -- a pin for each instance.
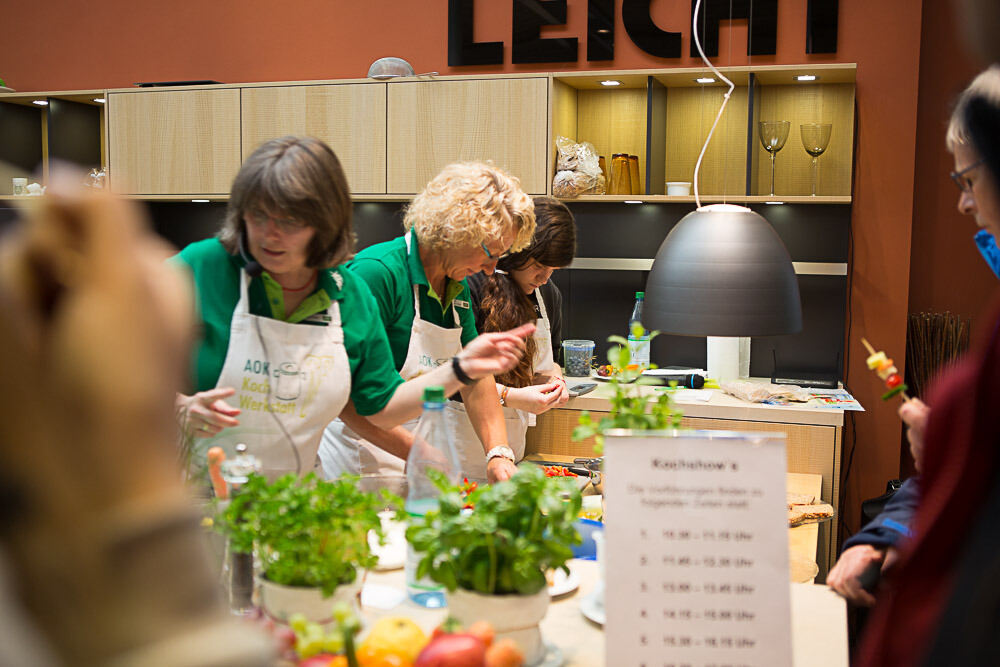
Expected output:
(893, 381)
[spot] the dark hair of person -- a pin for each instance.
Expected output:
(298, 178)
(503, 304)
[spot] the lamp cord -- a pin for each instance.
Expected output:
(725, 99)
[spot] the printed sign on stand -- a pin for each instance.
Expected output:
(697, 550)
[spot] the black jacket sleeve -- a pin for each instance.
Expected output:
(895, 521)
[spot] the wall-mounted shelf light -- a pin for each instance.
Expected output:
(611, 82)
(41, 103)
(99, 100)
(704, 79)
(806, 77)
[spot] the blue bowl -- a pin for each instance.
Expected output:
(587, 550)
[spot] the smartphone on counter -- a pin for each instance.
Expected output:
(582, 388)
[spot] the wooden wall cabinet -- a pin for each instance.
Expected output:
(348, 117)
(175, 142)
(434, 123)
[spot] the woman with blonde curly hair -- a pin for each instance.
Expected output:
(519, 291)
(466, 219)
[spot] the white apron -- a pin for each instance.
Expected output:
(342, 451)
(295, 374)
(516, 421)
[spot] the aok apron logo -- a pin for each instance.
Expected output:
(529, 16)
(278, 397)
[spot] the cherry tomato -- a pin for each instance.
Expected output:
(893, 381)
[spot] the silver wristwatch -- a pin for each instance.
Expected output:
(502, 450)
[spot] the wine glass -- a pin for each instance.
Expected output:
(815, 139)
(773, 134)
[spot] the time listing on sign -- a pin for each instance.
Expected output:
(697, 551)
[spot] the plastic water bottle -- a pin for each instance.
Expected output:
(638, 346)
(433, 448)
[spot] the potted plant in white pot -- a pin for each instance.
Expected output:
(492, 547)
(310, 537)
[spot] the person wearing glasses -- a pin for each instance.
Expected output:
(942, 599)
(288, 336)
(519, 291)
(464, 221)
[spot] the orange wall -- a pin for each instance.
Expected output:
(64, 45)
(946, 272)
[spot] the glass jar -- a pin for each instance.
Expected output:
(621, 181)
(638, 188)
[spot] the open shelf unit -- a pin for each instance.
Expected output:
(664, 116)
(69, 127)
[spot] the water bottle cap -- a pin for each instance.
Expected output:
(434, 394)
(640, 295)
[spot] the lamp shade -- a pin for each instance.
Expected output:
(723, 271)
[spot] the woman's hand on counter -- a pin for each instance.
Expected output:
(536, 398)
(494, 353)
(206, 413)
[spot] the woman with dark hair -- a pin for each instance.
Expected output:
(288, 330)
(519, 291)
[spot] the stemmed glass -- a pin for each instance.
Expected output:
(773, 134)
(815, 139)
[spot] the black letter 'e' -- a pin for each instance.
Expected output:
(528, 46)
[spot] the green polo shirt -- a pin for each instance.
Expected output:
(216, 276)
(391, 272)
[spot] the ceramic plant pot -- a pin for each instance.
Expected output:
(280, 601)
(513, 616)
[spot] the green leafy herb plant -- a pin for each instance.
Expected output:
(630, 408)
(503, 545)
(306, 531)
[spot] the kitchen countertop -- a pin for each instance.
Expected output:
(720, 406)
(819, 621)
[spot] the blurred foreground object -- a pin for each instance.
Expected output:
(979, 20)
(103, 549)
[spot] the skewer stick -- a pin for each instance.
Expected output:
(871, 351)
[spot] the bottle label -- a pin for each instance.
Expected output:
(638, 349)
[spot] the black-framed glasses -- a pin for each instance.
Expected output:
(259, 218)
(960, 178)
(491, 255)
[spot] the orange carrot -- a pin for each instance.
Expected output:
(215, 458)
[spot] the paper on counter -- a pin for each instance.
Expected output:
(697, 550)
(692, 395)
(661, 372)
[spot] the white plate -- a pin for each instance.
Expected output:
(592, 606)
(563, 583)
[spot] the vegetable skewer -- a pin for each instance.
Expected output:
(883, 366)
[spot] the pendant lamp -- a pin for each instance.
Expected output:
(722, 272)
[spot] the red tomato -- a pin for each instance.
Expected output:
(893, 381)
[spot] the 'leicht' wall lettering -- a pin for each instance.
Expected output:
(529, 16)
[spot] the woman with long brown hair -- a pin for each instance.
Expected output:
(518, 292)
